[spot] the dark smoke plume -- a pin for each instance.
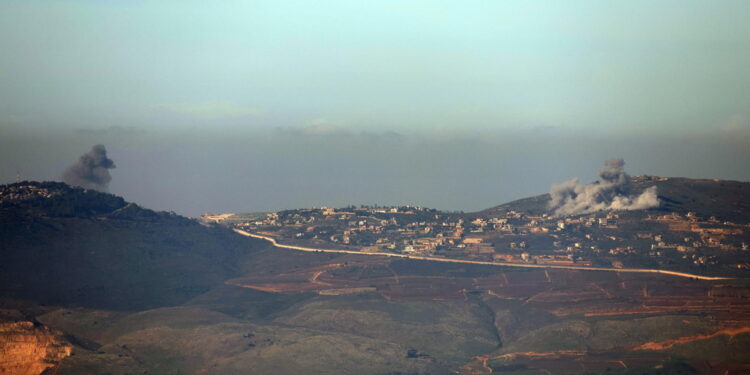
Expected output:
(611, 192)
(91, 171)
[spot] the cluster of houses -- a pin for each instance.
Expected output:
(504, 237)
(22, 192)
(411, 230)
(508, 236)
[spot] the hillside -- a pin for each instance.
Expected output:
(70, 246)
(93, 284)
(698, 227)
(725, 200)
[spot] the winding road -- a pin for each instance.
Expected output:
(497, 264)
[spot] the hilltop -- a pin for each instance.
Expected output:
(693, 226)
(71, 246)
(723, 199)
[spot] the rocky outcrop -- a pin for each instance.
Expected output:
(27, 348)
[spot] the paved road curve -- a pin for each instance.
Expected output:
(501, 264)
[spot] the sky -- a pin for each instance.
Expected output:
(462, 105)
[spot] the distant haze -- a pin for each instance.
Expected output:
(266, 105)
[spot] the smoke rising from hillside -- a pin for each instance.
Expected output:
(91, 171)
(611, 192)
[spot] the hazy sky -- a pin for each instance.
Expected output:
(263, 105)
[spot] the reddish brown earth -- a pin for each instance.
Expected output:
(565, 294)
(664, 345)
(583, 362)
(560, 292)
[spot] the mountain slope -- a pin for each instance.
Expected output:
(129, 290)
(69, 246)
(726, 200)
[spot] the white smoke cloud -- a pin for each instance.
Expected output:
(611, 192)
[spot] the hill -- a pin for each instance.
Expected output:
(697, 227)
(70, 246)
(723, 199)
(92, 284)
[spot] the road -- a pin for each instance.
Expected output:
(497, 264)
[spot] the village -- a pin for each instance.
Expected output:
(24, 192)
(613, 239)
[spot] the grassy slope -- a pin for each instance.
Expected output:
(194, 339)
(451, 330)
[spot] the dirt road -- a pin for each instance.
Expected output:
(497, 264)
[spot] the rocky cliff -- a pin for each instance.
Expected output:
(28, 348)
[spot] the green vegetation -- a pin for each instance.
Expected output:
(91, 249)
(669, 368)
(138, 291)
(731, 349)
(456, 331)
(185, 340)
(601, 334)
